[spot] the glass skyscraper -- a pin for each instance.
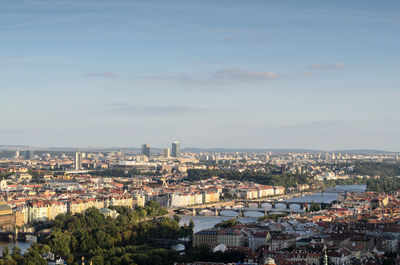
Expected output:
(146, 150)
(176, 149)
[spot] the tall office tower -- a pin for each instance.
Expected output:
(17, 154)
(176, 149)
(29, 154)
(146, 150)
(78, 161)
(166, 153)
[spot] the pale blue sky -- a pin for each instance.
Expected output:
(245, 74)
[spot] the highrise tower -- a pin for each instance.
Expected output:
(176, 149)
(146, 150)
(78, 161)
(166, 153)
(29, 154)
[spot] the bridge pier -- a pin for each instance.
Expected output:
(194, 212)
(216, 212)
(273, 205)
(301, 206)
(240, 213)
(287, 205)
(15, 235)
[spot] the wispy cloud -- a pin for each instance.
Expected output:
(22, 60)
(14, 131)
(295, 127)
(156, 109)
(313, 126)
(327, 66)
(102, 74)
(235, 74)
(229, 39)
(185, 78)
(306, 73)
(221, 76)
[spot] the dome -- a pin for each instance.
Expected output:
(269, 261)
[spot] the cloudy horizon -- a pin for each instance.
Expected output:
(227, 74)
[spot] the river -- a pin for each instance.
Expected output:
(10, 244)
(205, 222)
(328, 196)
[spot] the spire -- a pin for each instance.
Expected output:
(325, 257)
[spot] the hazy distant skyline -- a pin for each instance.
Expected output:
(236, 74)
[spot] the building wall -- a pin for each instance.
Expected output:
(207, 239)
(11, 219)
(231, 240)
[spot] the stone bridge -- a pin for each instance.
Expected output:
(273, 203)
(240, 211)
(259, 208)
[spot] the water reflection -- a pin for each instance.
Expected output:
(10, 244)
(266, 205)
(204, 222)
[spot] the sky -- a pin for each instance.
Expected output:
(235, 74)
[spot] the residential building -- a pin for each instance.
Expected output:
(78, 161)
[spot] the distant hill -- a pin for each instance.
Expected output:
(365, 151)
(198, 150)
(12, 146)
(248, 150)
(283, 151)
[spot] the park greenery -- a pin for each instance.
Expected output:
(131, 238)
(31, 257)
(276, 179)
(314, 207)
(381, 184)
(382, 169)
(275, 217)
(4, 175)
(388, 180)
(344, 182)
(228, 223)
(117, 173)
(384, 184)
(124, 240)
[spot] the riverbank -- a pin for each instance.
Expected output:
(10, 244)
(327, 196)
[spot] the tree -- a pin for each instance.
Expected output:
(6, 253)
(32, 257)
(177, 218)
(314, 207)
(228, 223)
(60, 244)
(16, 251)
(191, 225)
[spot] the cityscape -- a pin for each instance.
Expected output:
(199, 132)
(263, 207)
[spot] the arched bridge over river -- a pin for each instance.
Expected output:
(260, 207)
